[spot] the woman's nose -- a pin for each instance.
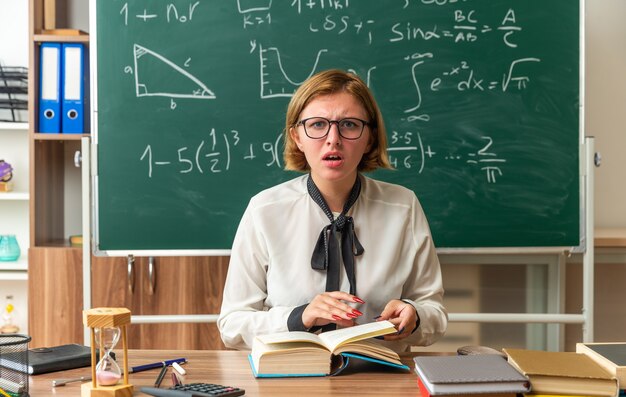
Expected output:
(333, 133)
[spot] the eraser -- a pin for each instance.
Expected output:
(179, 369)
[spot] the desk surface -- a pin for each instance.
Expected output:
(610, 238)
(232, 368)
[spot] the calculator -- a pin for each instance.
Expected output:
(195, 389)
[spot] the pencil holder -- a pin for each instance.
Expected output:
(13, 93)
(13, 365)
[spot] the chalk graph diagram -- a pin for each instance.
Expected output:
(275, 82)
(247, 6)
(155, 75)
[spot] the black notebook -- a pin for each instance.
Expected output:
(48, 359)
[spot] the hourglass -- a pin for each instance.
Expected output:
(108, 373)
(107, 326)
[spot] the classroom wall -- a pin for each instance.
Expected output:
(605, 105)
(14, 33)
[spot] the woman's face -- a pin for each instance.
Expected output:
(333, 159)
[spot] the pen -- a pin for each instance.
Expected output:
(159, 379)
(159, 364)
(63, 382)
(138, 368)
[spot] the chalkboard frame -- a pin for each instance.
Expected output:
(165, 251)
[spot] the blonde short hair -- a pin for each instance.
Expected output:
(326, 83)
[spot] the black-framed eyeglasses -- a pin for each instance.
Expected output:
(318, 127)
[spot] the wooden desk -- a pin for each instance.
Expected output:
(610, 238)
(232, 368)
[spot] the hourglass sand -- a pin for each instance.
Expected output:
(107, 325)
(107, 371)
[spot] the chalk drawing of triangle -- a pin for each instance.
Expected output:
(156, 75)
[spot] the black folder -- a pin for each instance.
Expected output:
(48, 359)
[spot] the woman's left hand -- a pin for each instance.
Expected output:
(402, 315)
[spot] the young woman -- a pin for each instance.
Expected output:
(333, 248)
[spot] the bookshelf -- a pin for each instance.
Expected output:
(14, 144)
(14, 205)
(54, 266)
(14, 217)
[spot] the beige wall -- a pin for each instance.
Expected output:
(605, 106)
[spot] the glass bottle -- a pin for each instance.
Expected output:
(8, 324)
(9, 248)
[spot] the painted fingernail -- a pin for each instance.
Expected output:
(358, 300)
(351, 315)
(358, 313)
(401, 330)
(377, 317)
(336, 317)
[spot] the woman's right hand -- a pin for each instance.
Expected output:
(330, 307)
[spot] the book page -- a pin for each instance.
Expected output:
(333, 339)
(260, 349)
(294, 336)
(289, 358)
(370, 349)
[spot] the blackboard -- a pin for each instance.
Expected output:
(481, 100)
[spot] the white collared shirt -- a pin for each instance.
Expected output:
(270, 265)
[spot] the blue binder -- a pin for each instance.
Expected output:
(73, 104)
(50, 88)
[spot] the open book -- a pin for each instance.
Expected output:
(306, 354)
